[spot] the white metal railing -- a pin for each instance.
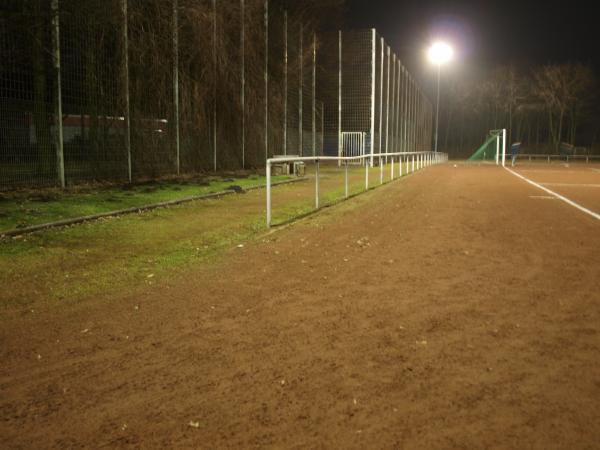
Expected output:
(567, 158)
(414, 161)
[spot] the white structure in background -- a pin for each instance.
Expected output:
(500, 145)
(353, 144)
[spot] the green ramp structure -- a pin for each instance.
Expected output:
(493, 149)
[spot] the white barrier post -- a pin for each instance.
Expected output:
(400, 165)
(412, 158)
(268, 170)
(503, 147)
(317, 184)
(392, 169)
(346, 170)
(380, 171)
(366, 174)
(497, 149)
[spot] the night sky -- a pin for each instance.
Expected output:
(484, 33)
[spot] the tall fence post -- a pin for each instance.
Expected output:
(382, 44)
(58, 135)
(392, 105)
(285, 80)
(373, 63)
(322, 128)
(300, 86)
(215, 74)
(314, 94)
(397, 131)
(243, 77)
(125, 76)
(413, 113)
(266, 79)
(387, 103)
(340, 148)
(405, 111)
(176, 83)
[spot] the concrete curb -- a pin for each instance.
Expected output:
(134, 209)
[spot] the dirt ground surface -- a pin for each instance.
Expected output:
(452, 309)
(578, 182)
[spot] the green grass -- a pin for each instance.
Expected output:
(99, 259)
(49, 206)
(333, 191)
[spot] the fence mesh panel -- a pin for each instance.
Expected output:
(158, 84)
(27, 153)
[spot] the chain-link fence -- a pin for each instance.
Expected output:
(369, 97)
(125, 90)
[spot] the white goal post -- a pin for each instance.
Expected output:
(500, 146)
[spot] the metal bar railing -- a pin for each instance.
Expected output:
(549, 158)
(422, 159)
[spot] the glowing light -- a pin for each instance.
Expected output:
(440, 53)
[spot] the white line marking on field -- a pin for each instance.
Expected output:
(595, 170)
(550, 171)
(558, 196)
(571, 184)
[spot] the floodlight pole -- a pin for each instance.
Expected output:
(437, 108)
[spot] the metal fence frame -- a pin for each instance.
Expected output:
(567, 158)
(418, 160)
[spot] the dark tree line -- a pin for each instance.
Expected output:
(94, 82)
(547, 108)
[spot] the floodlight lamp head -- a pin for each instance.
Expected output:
(440, 53)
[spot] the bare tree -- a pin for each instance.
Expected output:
(563, 88)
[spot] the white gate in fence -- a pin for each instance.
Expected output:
(353, 144)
